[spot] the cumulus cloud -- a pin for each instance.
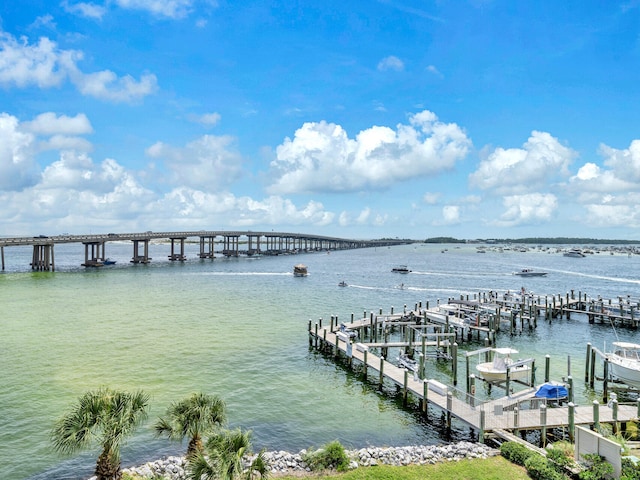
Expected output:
(45, 65)
(529, 208)
(51, 124)
(391, 63)
(18, 168)
(321, 157)
(431, 198)
(209, 163)
(541, 159)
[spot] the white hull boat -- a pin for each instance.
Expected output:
(624, 363)
(496, 370)
(528, 272)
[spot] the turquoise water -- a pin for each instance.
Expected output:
(238, 328)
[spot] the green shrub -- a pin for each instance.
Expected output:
(515, 452)
(331, 456)
(560, 458)
(597, 468)
(630, 470)
(539, 468)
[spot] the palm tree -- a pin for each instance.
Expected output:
(222, 458)
(106, 415)
(192, 417)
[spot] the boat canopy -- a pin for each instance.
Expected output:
(552, 391)
(505, 351)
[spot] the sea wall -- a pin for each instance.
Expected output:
(284, 463)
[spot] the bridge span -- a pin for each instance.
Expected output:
(232, 243)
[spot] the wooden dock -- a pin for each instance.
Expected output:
(515, 412)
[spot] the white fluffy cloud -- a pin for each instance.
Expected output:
(17, 165)
(321, 156)
(45, 65)
(209, 163)
(508, 171)
(528, 208)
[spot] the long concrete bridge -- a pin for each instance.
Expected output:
(233, 243)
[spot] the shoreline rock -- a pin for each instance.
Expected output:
(286, 463)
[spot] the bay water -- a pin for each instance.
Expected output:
(237, 327)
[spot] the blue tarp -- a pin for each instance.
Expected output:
(551, 391)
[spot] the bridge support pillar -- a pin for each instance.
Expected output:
(206, 247)
(230, 245)
(144, 258)
(177, 256)
(96, 257)
(42, 258)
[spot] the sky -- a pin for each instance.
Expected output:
(357, 119)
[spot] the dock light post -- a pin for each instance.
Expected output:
(543, 424)
(572, 423)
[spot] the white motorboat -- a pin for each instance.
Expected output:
(529, 272)
(574, 252)
(624, 363)
(300, 270)
(496, 370)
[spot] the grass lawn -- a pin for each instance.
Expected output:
(494, 468)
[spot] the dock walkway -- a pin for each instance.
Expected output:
(515, 412)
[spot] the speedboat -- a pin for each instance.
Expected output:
(624, 363)
(408, 363)
(342, 284)
(108, 261)
(528, 272)
(300, 270)
(401, 269)
(574, 252)
(496, 370)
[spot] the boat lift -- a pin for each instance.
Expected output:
(506, 384)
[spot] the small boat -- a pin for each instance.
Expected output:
(624, 363)
(108, 261)
(408, 363)
(574, 252)
(350, 333)
(342, 284)
(401, 269)
(300, 270)
(528, 272)
(552, 391)
(496, 370)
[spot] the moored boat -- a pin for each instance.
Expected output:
(300, 270)
(496, 370)
(405, 362)
(624, 363)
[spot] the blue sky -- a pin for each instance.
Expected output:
(361, 119)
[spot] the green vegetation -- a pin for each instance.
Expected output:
(192, 418)
(494, 468)
(106, 415)
(222, 458)
(331, 456)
